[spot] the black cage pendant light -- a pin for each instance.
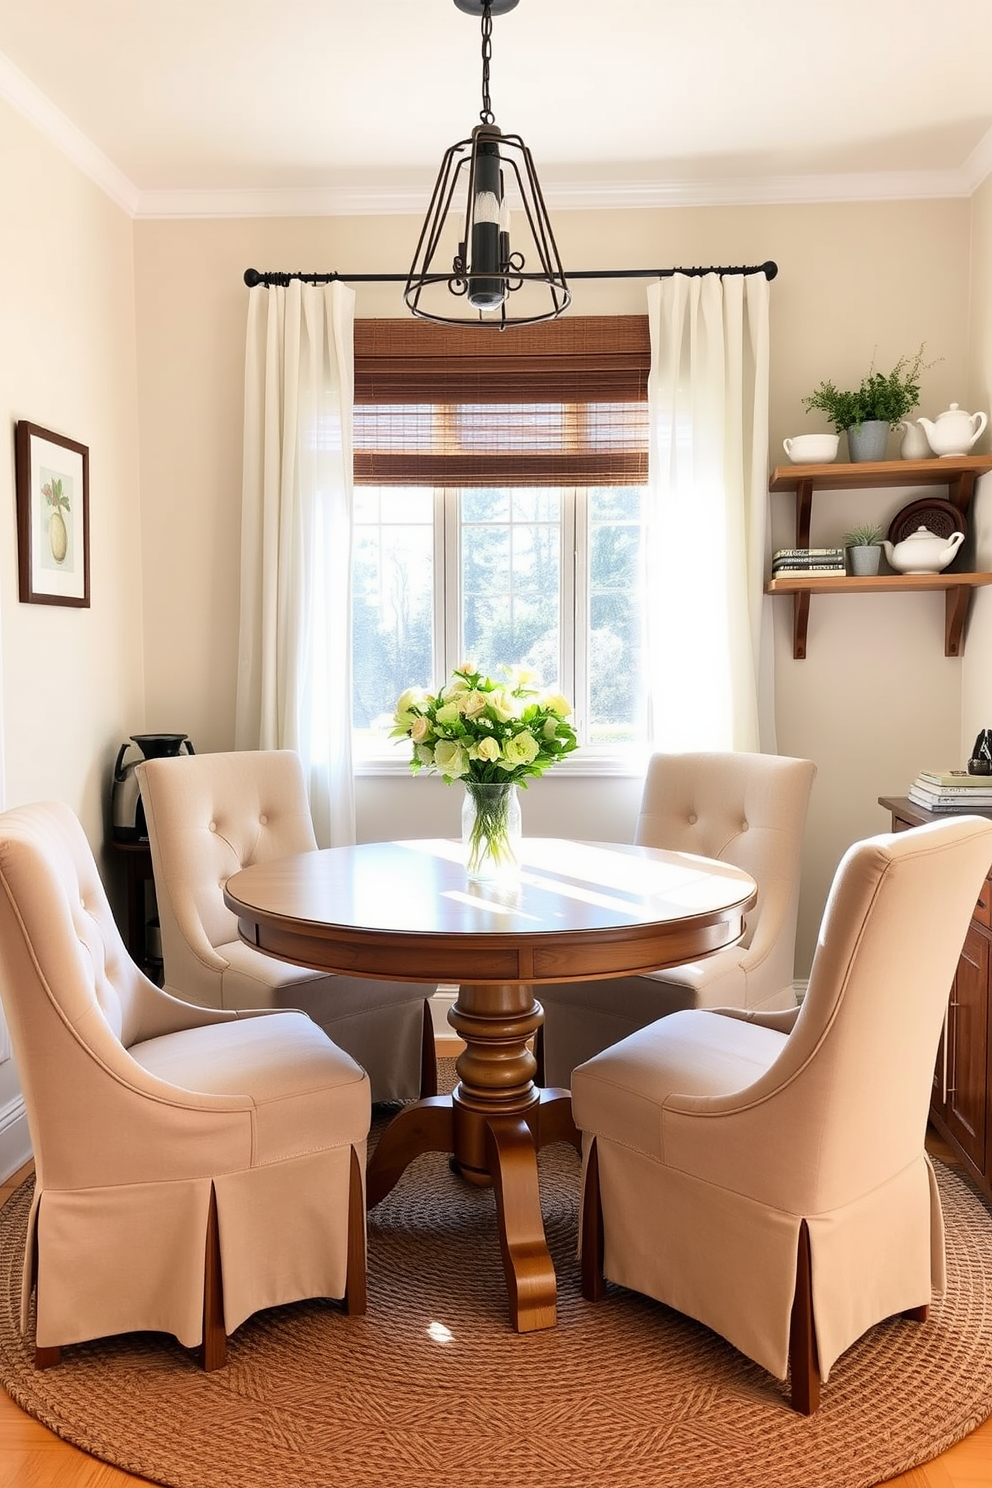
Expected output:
(488, 221)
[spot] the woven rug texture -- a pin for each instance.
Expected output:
(432, 1389)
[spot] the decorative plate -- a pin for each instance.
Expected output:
(939, 517)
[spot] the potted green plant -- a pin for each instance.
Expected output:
(878, 404)
(864, 549)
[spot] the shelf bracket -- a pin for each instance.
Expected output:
(800, 624)
(957, 602)
(804, 508)
(960, 489)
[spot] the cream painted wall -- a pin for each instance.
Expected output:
(72, 678)
(875, 701)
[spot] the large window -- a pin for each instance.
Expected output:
(499, 523)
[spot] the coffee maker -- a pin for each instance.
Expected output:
(127, 814)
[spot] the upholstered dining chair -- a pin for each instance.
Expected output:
(225, 812)
(772, 1182)
(192, 1165)
(744, 809)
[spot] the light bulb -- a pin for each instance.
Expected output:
(489, 291)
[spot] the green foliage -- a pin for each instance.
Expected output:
(865, 536)
(484, 731)
(888, 396)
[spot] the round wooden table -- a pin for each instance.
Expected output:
(406, 910)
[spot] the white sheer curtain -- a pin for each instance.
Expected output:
(294, 654)
(708, 629)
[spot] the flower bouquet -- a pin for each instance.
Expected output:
(492, 736)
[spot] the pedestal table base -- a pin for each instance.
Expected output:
(493, 1124)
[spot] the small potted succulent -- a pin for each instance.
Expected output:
(878, 404)
(864, 549)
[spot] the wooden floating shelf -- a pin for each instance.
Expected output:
(958, 473)
(875, 583)
(957, 593)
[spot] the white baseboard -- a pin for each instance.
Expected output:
(442, 999)
(15, 1144)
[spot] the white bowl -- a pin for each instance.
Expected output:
(812, 449)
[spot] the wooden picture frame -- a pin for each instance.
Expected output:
(53, 517)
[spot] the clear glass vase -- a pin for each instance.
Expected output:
(491, 831)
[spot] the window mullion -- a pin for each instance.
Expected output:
(575, 602)
(447, 598)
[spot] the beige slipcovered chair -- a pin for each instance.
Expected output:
(215, 814)
(192, 1165)
(772, 1184)
(745, 809)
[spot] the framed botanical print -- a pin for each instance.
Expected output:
(53, 519)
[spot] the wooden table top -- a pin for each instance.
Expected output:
(408, 910)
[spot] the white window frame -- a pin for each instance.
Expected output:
(574, 621)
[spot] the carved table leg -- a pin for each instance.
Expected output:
(530, 1275)
(494, 1123)
(425, 1126)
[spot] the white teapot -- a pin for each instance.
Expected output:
(954, 431)
(923, 552)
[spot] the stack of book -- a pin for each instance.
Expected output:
(952, 790)
(791, 563)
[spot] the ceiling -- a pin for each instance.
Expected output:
(215, 107)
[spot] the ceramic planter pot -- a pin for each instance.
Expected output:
(868, 441)
(863, 560)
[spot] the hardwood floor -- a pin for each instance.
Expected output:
(32, 1457)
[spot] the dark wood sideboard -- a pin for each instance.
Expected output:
(962, 1083)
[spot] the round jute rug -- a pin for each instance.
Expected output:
(432, 1389)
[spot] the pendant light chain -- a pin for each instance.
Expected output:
(487, 116)
(472, 266)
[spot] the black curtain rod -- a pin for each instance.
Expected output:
(270, 277)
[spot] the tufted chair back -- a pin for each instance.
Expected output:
(745, 809)
(210, 815)
(232, 810)
(73, 998)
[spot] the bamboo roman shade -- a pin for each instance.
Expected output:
(556, 404)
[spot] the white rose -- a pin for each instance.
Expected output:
(521, 676)
(473, 703)
(504, 705)
(412, 698)
(520, 750)
(486, 749)
(450, 758)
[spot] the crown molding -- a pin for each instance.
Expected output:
(302, 201)
(978, 166)
(576, 196)
(50, 121)
(383, 197)
(758, 190)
